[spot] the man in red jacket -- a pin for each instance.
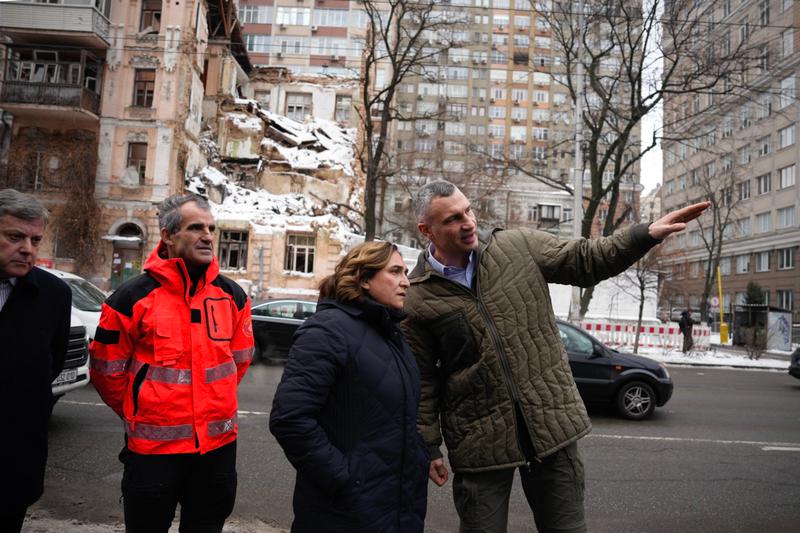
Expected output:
(171, 348)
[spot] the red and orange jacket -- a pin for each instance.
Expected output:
(169, 361)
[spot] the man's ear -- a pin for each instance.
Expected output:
(425, 230)
(166, 237)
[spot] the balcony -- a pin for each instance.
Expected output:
(78, 23)
(39, 83)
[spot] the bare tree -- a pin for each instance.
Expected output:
(641, 281)
(403, 38)
(618, 61)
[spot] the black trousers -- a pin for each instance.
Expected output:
(154, 485)
(11, 522)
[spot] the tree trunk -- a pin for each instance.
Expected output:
(639, 320)
(586, 298)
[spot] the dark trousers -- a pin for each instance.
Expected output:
(11, 522)
(553, 487)
(154, 485)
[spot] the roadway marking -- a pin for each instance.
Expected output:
(780, 449)
(98, 404)
(773, 446)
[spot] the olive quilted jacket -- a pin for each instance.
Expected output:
(486, 351)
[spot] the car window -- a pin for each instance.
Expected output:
(309, 309)
(282, 309)
(86, 296)
(574, 341)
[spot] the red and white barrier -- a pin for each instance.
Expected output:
(664, 336)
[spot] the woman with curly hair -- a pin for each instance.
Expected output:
(346, 408)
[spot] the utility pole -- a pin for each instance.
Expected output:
(578, 170)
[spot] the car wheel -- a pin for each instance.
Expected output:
(636, 400)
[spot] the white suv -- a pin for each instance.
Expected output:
(87, 301)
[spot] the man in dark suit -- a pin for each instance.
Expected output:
(34, 331)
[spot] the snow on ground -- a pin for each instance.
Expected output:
(714, 357)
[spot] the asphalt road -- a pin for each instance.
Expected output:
(722, 456)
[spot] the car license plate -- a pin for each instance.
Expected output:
(66, 376)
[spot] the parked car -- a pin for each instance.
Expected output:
(274, 324)
(794, 366)
(87, 301)
(635, 385)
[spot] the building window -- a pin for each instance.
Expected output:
(764, 184)
(144, 84)
(137, 159)
(725, 266)
(344, 104)
(549, 212)
(742, 264)
(764, 222)
(787, 176)
(300, 253)
(786, 217)
(150, 21)
(298, 106)
(787, 136)
(233, 250)
(787, 91)
(744, 190)
(785, 299)
(764, 146)
(785, 258)
(787, 43)
(762, 261)
(743, 227)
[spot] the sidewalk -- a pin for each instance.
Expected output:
(719, 355)
(36, 522)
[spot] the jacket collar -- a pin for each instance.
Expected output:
(378, 315)
(173, 273)
(423, 269)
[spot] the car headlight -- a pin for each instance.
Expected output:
(664, 369)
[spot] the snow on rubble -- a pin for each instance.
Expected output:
(266, 212)
(311, 145)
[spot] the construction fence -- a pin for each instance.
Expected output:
(664, 336)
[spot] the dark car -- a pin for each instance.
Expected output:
(635, 385)
(274, 324)
(794, 366)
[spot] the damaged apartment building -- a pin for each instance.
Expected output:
(101, 110)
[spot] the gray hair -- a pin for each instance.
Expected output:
(430, 191)
(169, 216)
(22, 206)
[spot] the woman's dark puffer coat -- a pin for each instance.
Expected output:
(345, 414)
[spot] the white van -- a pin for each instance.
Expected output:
(87, 300)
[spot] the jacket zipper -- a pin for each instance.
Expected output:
(505, 367)
(137, 384)
(214, 318)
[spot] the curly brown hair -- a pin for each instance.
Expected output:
(359, 265)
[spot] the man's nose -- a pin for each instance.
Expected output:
(27, 246)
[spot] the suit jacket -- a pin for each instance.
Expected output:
(34, 331)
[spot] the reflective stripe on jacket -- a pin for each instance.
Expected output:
(168, 362)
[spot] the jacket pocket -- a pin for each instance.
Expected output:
(219, 319)
(168, 340)
(457, 346)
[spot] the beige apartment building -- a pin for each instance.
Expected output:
(106, 100)
(746, 154)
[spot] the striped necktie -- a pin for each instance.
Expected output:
(5, 291)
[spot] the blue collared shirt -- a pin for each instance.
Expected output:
(458, 274)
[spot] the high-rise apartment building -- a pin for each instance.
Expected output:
(745, 155)
(308, 36)
(493, 101)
